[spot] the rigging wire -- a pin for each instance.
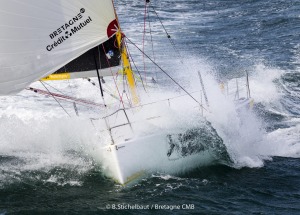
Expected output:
(55, 99)
(144, 34)
(146, 104)
(42, 93)
(131, 58)
(65, 97)
(128, 97)
(166, 73)
(248, 86)
(151, 37)
(151, 40)
(175, 48)
(121, 100)
(109, 90)
(168, 35)
(55, 89)
(74, 103)
(162, 100)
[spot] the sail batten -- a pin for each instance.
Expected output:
(37, 38)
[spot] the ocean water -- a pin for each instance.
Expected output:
(45, 167)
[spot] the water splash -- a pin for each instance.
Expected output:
(244, 132)
(37, 142)
(39, 146)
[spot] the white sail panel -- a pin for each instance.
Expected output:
(37, 37)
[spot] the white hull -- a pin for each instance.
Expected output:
(130, 160)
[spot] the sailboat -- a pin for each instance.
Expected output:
(64, 39)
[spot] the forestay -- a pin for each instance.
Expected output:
(38, 37)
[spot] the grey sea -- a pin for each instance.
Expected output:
(44, 169)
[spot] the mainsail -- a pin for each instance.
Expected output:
(38, 38)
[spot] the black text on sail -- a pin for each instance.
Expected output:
(64, 28)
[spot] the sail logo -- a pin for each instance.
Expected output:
(68, 29)
(67, 25)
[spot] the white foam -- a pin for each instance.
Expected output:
(262, 84)
(243, 133)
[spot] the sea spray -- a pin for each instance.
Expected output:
(243, 131)
(45, 147)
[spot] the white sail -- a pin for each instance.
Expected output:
(37, 37)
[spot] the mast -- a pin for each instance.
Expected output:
(127, 71)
